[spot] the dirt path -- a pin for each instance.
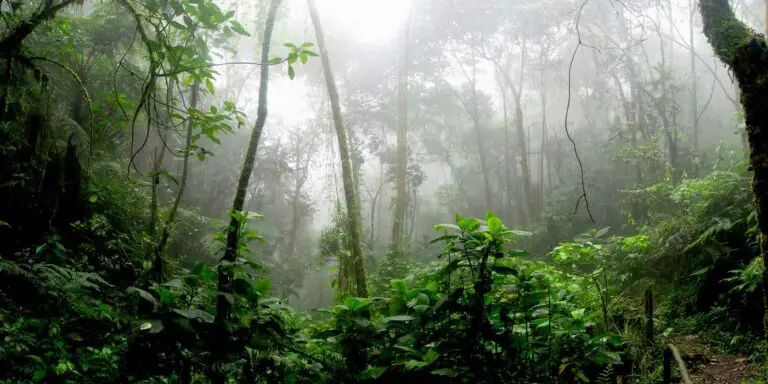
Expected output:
(707, 364)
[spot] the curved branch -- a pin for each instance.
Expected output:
(10, 44)
(568, 109)
(180, 71)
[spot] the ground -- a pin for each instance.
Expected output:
(707, 364)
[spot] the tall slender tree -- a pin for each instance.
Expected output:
(353, 270)
(223, 306)
(401, 199)
(158, 265)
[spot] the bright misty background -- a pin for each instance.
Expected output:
(534, 41)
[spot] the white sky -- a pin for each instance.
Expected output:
(367, 20)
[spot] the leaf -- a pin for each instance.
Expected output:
(444, 227)
(164, 172)
(189, 22)
(563, 367)
(195, 314)
(303, 58)
(326, 334)
(399, 318)
(494, 224)
(237, 27)
(276, 60)
(144, 294)
(614, 340)
(93, 198)
(291, 72)
(449, 372)
(517, 253)
(602, 232)
(504, 270)
(309, 53)
(399, 285)
(613, 356)
(413, 364)
(210, 86)
(4, 224)
(374, 372)
(262, 286)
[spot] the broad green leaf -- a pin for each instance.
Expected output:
(237, 27)
(517, 253)
(504, 270)
(399, 285)
(144, 294)
(602, 232)
(494, 224)
(413, 364)
(291, 72)
(399, 318)
(374, 372)
(262, 286)
(443, 227)
(276, 60)
(195, 314)
(445, 372)
(210, 86)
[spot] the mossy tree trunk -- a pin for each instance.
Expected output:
(353, 270)
(225, 275)
(744, 51)
(401, 199)
(158, 264)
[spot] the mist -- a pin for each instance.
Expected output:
(362, 178)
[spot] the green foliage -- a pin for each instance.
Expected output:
(487, 316)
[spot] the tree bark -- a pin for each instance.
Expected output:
(158, 265)
(743, 51)
(694, 83)
(355, 268)
(225, 275)
(401, 199)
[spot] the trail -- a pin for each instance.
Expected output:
(708, 364)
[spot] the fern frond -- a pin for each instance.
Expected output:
(606, 376)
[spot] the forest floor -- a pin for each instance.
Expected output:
(707, 364)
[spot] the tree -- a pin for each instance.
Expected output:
(223, 306)
(743, 51)
(401, 199)
(158, 265)
(353, 268)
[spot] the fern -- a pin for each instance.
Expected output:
(606, 376)
(76, 290)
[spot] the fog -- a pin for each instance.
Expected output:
(489, 84)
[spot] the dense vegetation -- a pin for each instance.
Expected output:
(558, 205)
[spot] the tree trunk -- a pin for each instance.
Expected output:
(223, 307)
(354, 268)
(694, 83)
(743, 51)
(401, 199)
(480, 135)
(158, 266)
(508, 162)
